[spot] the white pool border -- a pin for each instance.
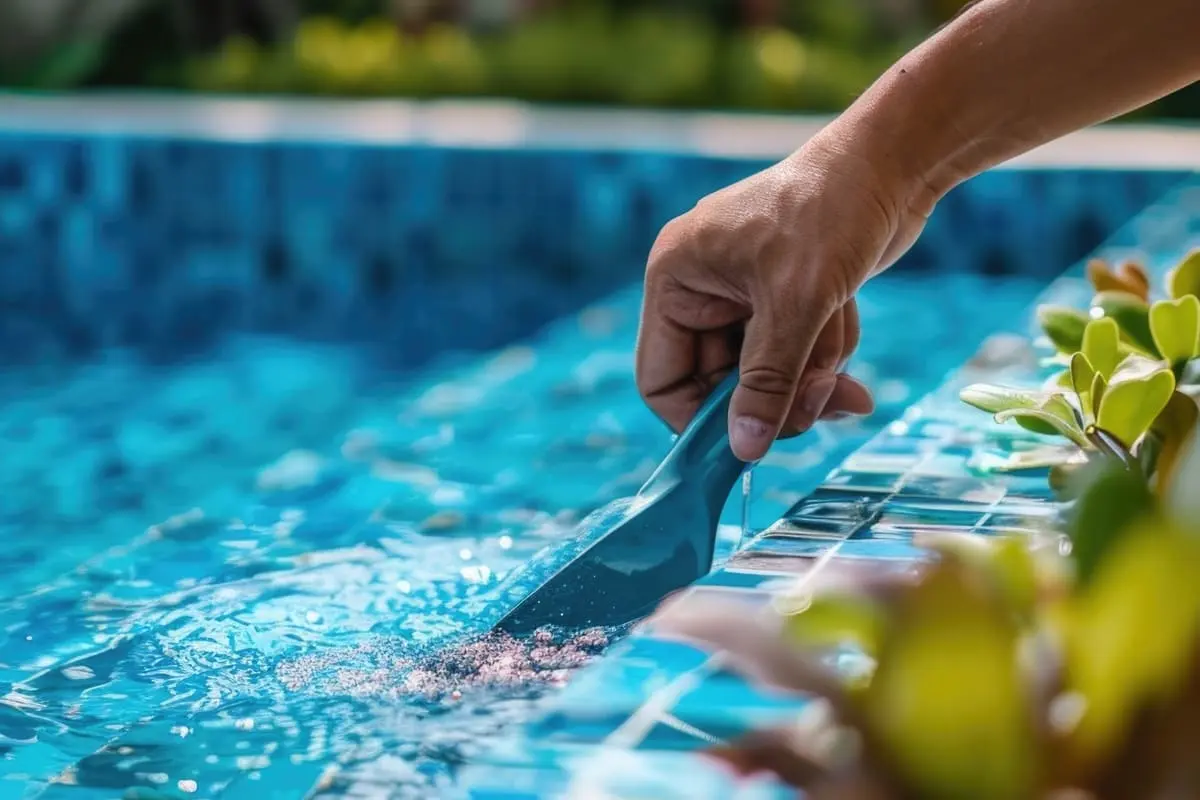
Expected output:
(502, 124)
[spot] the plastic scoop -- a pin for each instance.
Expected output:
(637, 552)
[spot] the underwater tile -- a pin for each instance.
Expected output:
(944, 464)
(806, 527)
(606, 692)
(844, 480)
(1027, 522)
(849, 570)
(726, 705)
(517, 768)
(1028, 487)
(772, 544)
(775, 563)
(931, 514)
(850, 506)
(666, 775)
(898, 548)
(764, 579)
(548, 785)
(683, 737)
(964, 489)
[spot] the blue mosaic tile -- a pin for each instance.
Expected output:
(709, 706)
(771, 544)
(374, 243)
(816, 527)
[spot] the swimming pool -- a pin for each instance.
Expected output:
(260, 558)
(283, 415)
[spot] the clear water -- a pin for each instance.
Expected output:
(264, 572)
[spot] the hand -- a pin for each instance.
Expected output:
(761, 276)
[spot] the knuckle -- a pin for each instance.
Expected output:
(671, 238)
(768, 380)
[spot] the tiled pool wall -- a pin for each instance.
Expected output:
(632, 725)
(165, 243)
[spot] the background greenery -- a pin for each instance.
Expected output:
(786, 55)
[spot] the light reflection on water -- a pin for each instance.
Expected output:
(318, 606)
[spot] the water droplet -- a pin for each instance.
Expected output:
(313, 618)
(187, 785)
(464, 554)
(404, 586)
(506, 542)
(246, 724)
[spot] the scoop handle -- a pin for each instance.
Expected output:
(702, 452)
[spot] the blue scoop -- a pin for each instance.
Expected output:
(661, 541)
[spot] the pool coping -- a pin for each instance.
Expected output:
(475, 124)
(627, 725)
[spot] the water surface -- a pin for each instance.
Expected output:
(255, 572)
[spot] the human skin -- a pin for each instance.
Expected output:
(761, 275)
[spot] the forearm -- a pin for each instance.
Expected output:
(1009, 75)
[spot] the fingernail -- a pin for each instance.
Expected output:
(817, 395)
(749, 438)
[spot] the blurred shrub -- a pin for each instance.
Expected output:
(642, 58)
(793, 55)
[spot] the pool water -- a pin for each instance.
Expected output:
(262, 572)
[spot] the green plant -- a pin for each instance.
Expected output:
(1001, 671)
(1128, 387)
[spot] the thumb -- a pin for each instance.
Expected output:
(773, 357)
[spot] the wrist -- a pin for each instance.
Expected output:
(935, 118)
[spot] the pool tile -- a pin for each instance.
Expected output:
(843, 480)
(772, 544)
(806, 527)
(834, 504)
(751, 576)
(726, 705)
(602, 697)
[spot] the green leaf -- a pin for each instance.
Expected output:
(1081, 376)
(1132, 315)
(1110, 500)
(1175, 325)
(1101, 345)
(1006, 559)
(993, 399)
(1053, 417)
(1063, 326)
(1138, 392)
(1168, 439)
(1130, 637)
(1099, 387)
(920, 702)
(1185, 278)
